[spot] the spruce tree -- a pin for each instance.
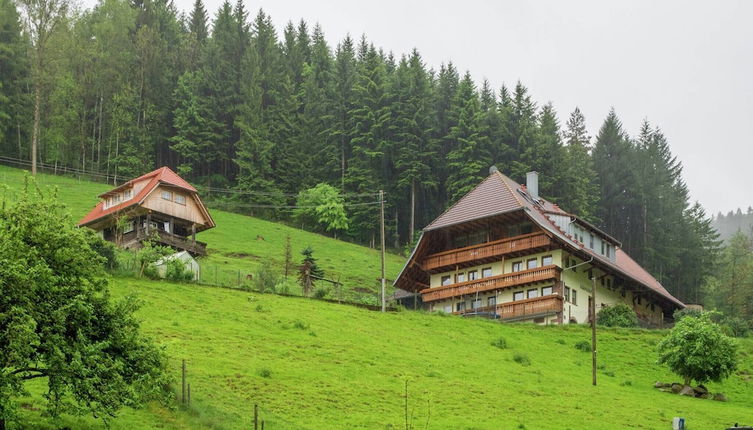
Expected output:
(580, 191)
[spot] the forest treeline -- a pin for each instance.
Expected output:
(231, 104)
(733, 222)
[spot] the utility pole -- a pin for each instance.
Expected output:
(381, 219)
(593, 329)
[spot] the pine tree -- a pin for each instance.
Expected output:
(545, 154)
(523, 128)
(580, 194)
(469, 157)
(14, 74)
(198, 33)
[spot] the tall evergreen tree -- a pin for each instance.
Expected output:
(580, 190)
(14, 74)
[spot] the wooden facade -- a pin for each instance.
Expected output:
(159, 206)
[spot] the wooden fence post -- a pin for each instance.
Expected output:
(183, 382)
(256, 417)
(189, 393)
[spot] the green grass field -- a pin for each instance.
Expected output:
(316, 365)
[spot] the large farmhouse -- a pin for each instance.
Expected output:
(505, 252)
(158, 206)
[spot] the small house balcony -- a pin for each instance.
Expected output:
(490, 251)
(521, 309)
(166, 239)
(509, 280)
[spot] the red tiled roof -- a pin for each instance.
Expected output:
(498, 194)
(161, 175)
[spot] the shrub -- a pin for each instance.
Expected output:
(619, 315)
(102, 247)
(266, 279)
(320, 293)
(697, 349)
(264, 372)
(500, 343)
(177, 271)
(583, 345)
(521, 359)
(300, 325)
(150, 271)
(734, 326)
(687, 312)
(561, 341)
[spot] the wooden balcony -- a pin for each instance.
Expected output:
(539, 274)
(164, 238)
(486, 251)
(521, 309)
(530, 308)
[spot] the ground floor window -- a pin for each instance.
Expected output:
(518, 295)
(492, 301)
(460, 306)
(476, 304)
(448, 309)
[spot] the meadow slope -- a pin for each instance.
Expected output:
(316, 365)
(240, 243)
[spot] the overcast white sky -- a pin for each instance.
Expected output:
(686, 66)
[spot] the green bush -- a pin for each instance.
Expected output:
(500, 343)
(583, 345)
(266, 279)
(620, 315)
(150, 271)
(264, 372)
(177, 271)
(687, 312)
(734, 326)
(521, 359)
(102, 247)
(697, 349)
(320, 293)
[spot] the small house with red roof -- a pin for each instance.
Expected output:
(505, 252)
(158, 206)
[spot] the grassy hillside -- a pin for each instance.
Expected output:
(240, 244)
(316, 365)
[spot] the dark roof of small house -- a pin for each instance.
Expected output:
(498, 194)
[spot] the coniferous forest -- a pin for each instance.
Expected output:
(255, 117)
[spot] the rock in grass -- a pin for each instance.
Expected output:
(720, 397)
(687, 390)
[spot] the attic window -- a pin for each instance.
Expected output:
(127, 194)
(167, 195)
(180, 199)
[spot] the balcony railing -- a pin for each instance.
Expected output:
(491, 283)
(530, 307)
(165, 238)
(520, 309)
(497, 248)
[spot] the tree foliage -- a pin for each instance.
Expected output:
(698, 350)
(321, 207)
(619, 315)
(59, 323)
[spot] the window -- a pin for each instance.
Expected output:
(547, 291)
(492, 301)
(446, 280)
(476, 304)
(533, 293)
(540, 320)
(460, 306)
(609, 283)
(167, 195)
(653, 308)
(532, 263)
(602, 248)
(609, 251)
(591, 240)
(574, 296)
(590, 274)
(517, 266)
(180, 199)
(127, 194)
(518, 295)
(638, 300)
(460, 277)
(486, 272)
(472, 275)
(546, 260)
(448, 309)
(567, 294)
(128, 227)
